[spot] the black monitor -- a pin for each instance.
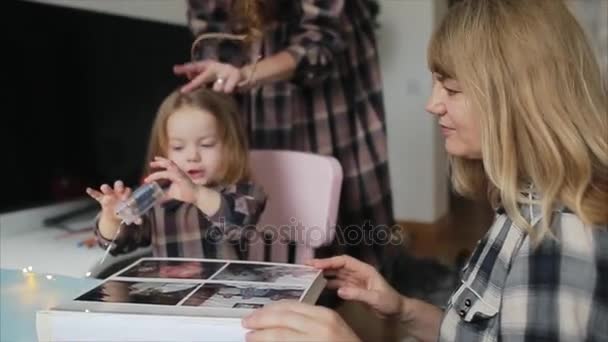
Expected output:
(81, 89)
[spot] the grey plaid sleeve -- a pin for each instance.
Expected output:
(316, 38)
(558, 291)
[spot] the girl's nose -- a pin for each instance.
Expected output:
(194, 155)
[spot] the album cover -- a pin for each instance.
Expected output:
(155, 296)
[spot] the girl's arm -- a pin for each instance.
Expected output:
(130, 237)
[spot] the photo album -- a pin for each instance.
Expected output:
(177, 299)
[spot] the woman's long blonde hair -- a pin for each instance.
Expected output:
(529, 72)
(235, 165)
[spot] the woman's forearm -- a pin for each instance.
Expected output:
(421, 319)
(279, 67)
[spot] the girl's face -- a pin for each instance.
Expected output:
(458, 124)
(194, 144)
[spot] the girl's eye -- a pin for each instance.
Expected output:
(209, 145)
(177, 148)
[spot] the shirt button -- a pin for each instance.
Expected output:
(467, 303)
(462, 313)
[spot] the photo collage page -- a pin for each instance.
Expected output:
(204, 283)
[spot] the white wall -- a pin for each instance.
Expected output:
(418, 164)
(593, 17)
(418, 168)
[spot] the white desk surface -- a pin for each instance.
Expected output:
(25, 242)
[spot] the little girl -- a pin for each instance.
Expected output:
(199, 145)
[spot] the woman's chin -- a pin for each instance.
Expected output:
(457, 149)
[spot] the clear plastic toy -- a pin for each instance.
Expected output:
(143, 199)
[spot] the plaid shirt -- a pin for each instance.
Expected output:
(332, 106)
(178, 229)
(513, 292)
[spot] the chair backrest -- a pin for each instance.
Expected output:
(301, 211)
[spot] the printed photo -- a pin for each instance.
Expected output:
(240, 296)
(176, 269)
(159, 293)
(300, 276)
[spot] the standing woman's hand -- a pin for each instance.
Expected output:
(224, 77)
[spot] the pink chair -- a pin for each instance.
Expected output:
(303, 196)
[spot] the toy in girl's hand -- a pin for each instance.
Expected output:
(143, 199)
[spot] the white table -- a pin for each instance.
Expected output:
(25, 242)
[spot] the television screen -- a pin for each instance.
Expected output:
(81, 91)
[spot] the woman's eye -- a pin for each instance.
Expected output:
(451, 91)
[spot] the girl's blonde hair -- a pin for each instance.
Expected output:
(531, 76)
(231, 133)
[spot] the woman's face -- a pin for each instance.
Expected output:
(458, 124)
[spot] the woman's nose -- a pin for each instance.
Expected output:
(435, 105)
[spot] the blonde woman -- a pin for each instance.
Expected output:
(518, 96)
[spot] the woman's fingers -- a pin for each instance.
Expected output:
(189, 68)
(342, 262)
(232, 81)
(286, 314)
(274, 335)
(219, 83)
(195, 82)
(204, 77)
(369, 297)
(335, 284)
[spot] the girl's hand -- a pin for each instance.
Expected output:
(225, 77)
(358, 281)
(295, 321)
(182, 188)
(109, 197)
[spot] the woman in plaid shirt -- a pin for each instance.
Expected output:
(316, 88)
(519, 99)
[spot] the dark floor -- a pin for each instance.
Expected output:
(427, 266)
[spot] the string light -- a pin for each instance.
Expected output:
(49, 277)
(88, 274)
